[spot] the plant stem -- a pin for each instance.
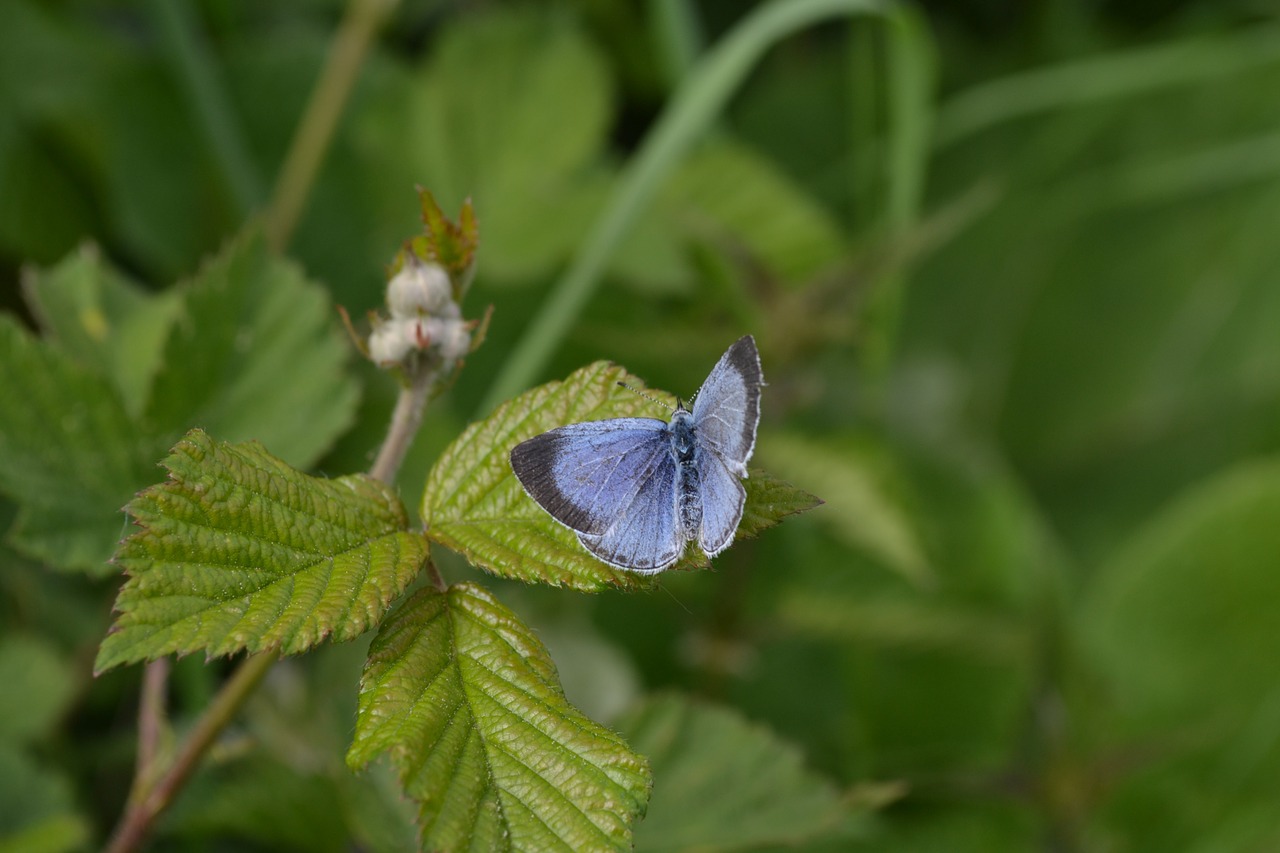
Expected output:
(151, 712)
(315, 130)
(405, 421)
(151, 800)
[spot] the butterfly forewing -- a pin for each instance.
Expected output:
(586, 475)
(726, 411)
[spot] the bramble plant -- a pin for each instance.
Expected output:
(240, 551)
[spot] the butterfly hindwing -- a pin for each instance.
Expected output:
(647, 537)
(726, 411)
(723, 498)
(586, 475)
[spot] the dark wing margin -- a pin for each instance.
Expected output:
(585, 475)
(726, 411)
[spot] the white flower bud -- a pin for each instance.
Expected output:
(390, 342)
(455, 339)
(420, 288)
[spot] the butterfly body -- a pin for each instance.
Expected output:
(637, 490)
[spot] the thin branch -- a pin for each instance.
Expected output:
(151, 717)
(405, 421)
(142, 811)
(315, 131)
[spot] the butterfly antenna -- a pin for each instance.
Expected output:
(640, 393)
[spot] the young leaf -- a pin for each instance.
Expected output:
(474, 504)
(723, 784)
(238, 551)
(255, 354)
(69, 454)
(467, 701)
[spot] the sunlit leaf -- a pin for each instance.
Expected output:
(237, 551)
(466, 700)
(474, 504)
(722, 784)
(69, 454)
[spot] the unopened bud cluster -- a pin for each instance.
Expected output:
(424, 317)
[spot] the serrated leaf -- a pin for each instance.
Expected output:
(466, 700)
(238, 551)
(69, 454)
(255, 354)
(103, 321)
(474, 504)
(723, 784)
(452, 245)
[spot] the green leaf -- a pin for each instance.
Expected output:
(237, 551)
(255, 354)
(69, 454)
(38, 685)
(474, 504)
(723, 784)
(104, 321)
(725, 191)
(36, 808)
(863, 511)
(479, 129)
(1175, 617)
(466, 700)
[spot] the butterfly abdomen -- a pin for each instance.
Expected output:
(684, 447)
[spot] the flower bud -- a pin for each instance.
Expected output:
(391, 342)
(420, 288)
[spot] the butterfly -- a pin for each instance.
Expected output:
(636, 490)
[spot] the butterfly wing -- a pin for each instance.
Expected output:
(646, 537)
(726, 411)
(586, 475)
(722, 501)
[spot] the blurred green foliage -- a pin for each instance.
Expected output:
(1042, 398)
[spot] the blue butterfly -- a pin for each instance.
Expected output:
(635, 490)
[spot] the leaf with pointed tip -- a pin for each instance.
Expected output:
(723, 784)
(467, 701)
(69, 455)
(474, 504)
(238, 551)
